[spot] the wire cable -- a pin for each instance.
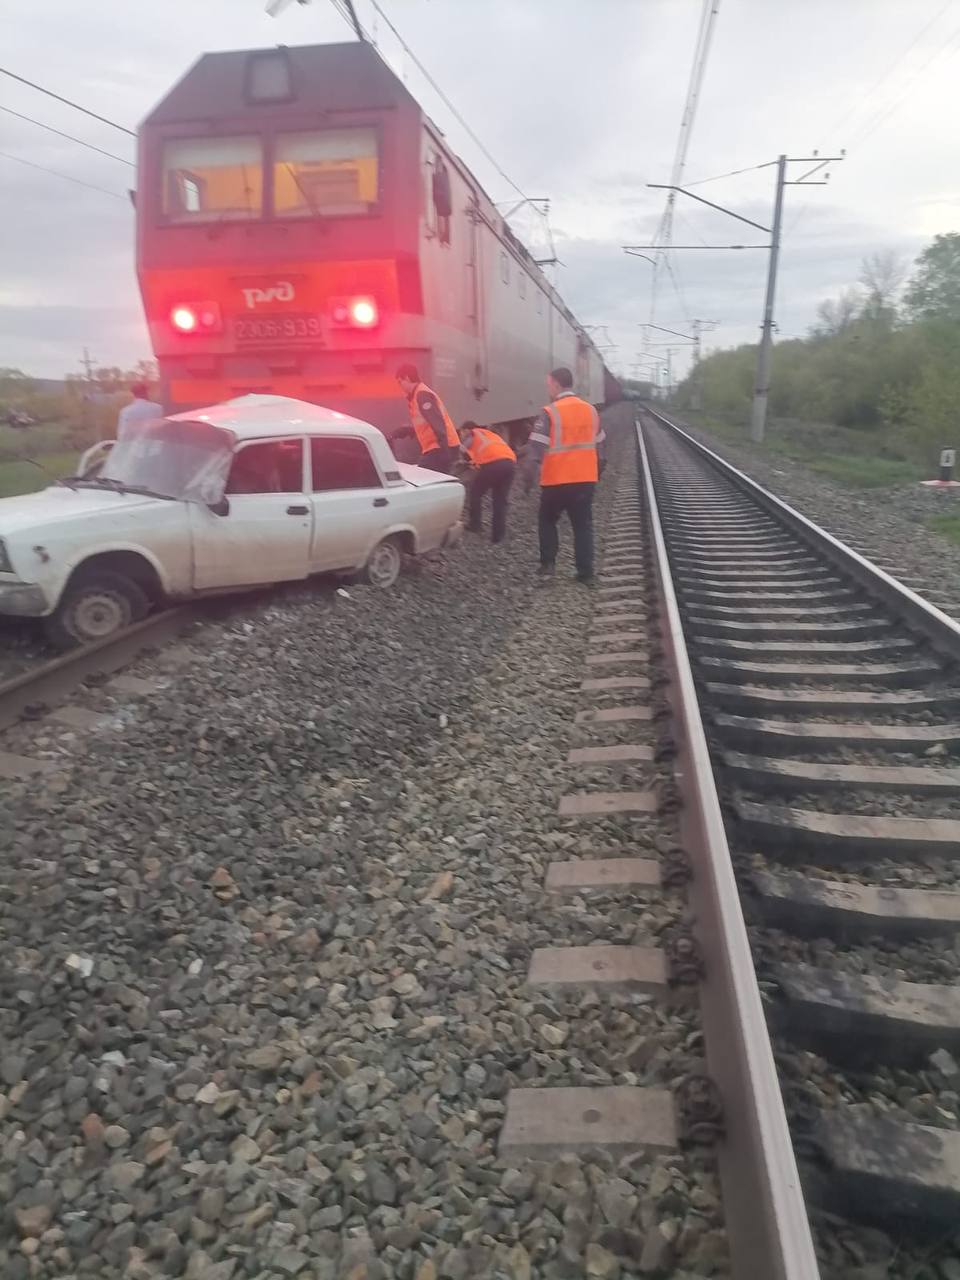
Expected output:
(76, 106)
(862, 98)
(57, 174)
(69, 136)
(443, 97)
(874, 124)
(677, 288)
(734, 173)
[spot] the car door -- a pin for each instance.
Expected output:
(265, 535)
(351, 506)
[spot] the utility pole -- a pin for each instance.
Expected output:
(696, 388)
(699, 327)
(758, 418)
(761, 391)
(86, 401)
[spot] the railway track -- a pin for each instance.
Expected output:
(831, 701)
(39, 690)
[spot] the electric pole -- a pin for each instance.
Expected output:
(758, 417)
(86, 396)
(761, 391)
(699, 328)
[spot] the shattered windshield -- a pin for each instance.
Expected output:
(171, 458)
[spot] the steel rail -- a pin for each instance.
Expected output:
(767, 1223)
(942, 631)
(53, 681)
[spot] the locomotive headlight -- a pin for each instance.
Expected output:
(361, 312)
(196, 317)
(184, 319)
(364, 313)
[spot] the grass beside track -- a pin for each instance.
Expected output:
(28, 477)
(851, 459)
(947, 526)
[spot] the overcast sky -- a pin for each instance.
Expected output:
(579, 101)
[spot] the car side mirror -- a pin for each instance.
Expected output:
(221, 508)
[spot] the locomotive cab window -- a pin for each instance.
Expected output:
(212, 179)
(333, 171)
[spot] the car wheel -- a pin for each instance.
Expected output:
(383, 567)
(96, 608)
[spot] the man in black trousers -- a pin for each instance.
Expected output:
(494, 464)
(564, 447)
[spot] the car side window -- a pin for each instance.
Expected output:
(269, 466)
(342, 463)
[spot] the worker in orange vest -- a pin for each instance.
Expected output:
(565, 445)
(494, 465)
(432, 425)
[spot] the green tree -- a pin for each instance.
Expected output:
(14, 385)
(934, 289)
(881, 275)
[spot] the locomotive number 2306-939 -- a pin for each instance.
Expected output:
(277, 328)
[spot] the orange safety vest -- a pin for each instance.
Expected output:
(425, 433)
(486, 446)
(571, 456)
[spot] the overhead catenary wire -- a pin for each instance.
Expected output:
(69, 136)
(870, 126)
(4, 155)
(68, 102)
(733, 173)
(447, 103)
(861, 97)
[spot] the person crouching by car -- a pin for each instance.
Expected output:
(431, 424)
(495, 465)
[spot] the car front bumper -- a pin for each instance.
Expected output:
(22, 600)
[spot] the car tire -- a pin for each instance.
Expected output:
(384, 564)
(96, 607)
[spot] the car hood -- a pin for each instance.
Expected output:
(419, 477)
(60, 503)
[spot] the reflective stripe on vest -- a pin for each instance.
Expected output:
(486, 446)
(426, 437)
(571, 456)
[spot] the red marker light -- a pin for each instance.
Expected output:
(184, 319)
(196, 317)
(364, 313)
(361, 312)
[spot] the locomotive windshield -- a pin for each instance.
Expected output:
(332, 171)
(320, 172)
(212, 178)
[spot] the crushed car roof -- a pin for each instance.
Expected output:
(255, 416)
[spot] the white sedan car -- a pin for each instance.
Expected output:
(258, 490)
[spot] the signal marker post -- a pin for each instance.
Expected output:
(945, 480)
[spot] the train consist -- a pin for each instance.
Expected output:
(303, 228)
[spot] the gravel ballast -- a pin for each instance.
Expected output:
(264, 947)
